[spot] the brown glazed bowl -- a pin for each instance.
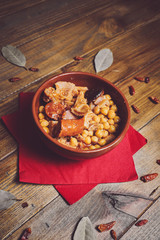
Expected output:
(91, 81)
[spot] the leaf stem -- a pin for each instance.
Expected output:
(17, 199)
(25, 68)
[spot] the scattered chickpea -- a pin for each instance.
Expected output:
(101, 116)
(73, 142)
(44, 123)
(41, 115)
(41, 109)
(92, 147)
(90, 133)
(102, 142)
(104, 110)
(85, 132)
(101, 126)
(96, 110)
(96, 119)
(111, 102)
(41, 120)
(107, 96)
(97, 146)
(84, 135)
(46, 129)
(105, 133)
(85, 148)
(103, 120)
(114, 108)
(112, 129)
(111, 121)
(99, 133)
(116, 119)
(94, 139)
(106, 126)
(111, 114)
(87, 140)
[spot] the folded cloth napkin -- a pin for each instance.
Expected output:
(72, 179)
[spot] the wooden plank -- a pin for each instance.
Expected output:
(8, 143)
(40, 17)
(42, 23)
(93, 205)
(37, 197)
(149, 231)
(10, 7)
(128, 57)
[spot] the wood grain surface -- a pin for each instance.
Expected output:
(51, 34)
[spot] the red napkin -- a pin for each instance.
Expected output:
(73, 179)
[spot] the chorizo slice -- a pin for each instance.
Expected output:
(54, 110)
(71, 127)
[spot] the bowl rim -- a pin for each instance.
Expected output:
(70, 149)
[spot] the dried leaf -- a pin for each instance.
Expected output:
(14, 55)
(103, 60)
(6, 199)
(128, 204)
(84, 230)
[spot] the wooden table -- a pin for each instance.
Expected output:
(50, 34)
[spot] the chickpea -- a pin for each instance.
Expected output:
(85, 148)
(96, 110)
(41, 115)
(111, 114)
(84, 135)
(112, 129)
(85, 132)
(111, 121)
(100, 126)
(103, 120)
(116, 119)
(92, 147)
(105, 133)
(107, 96)
(116, 125)
(106, 126)
(97, 146)
(104, 110)
(73, 142)
(46, 129)
(87, 140)
(111, 102)
(96, 119)
(41, 120)
(44, 123)
(94, 139)
(102, 142)
(90, 133)
(101, 116)
(41, 109)
(114, 108)
(99, 133)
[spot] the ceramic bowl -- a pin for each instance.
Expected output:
(91, 81)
